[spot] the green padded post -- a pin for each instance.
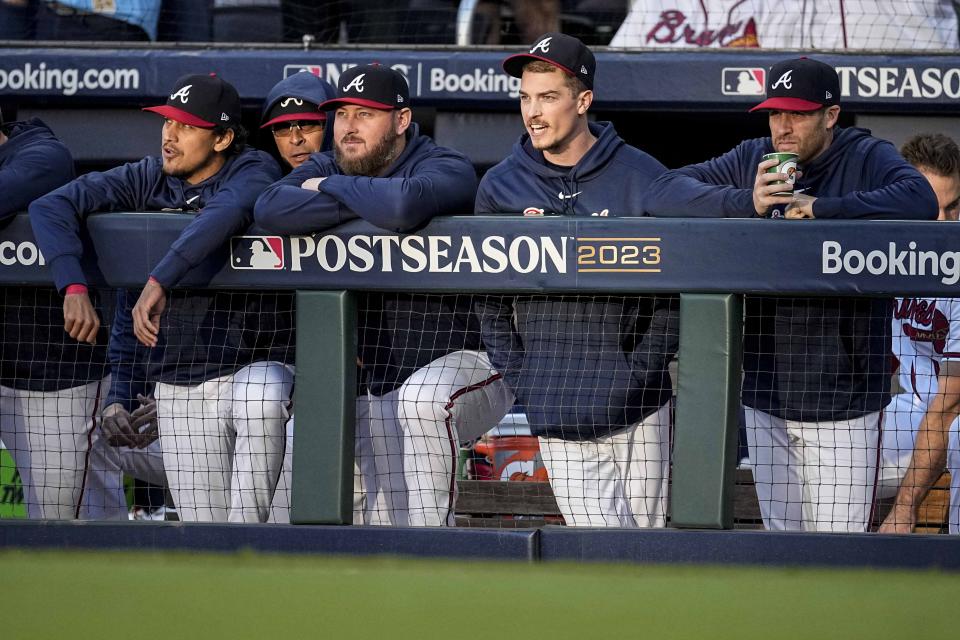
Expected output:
(708, 406)
(325, 408)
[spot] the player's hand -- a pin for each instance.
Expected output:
(763, 188)
(313, 184)
(146, 313)
(900, 520)
(144, 422)
(80, 320)
(116, 426)
(801, 207)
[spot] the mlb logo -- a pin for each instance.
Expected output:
(744, 81)
(264, 253)
(290, 69)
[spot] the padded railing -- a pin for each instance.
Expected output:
(711, 263)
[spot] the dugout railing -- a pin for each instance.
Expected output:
(710, 262)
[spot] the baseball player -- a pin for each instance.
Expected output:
(926, 335)
(50, 384)
(922, 327)
(816, 370)
(292, 113)
(220, 411)
(383, 171)
(590, 371)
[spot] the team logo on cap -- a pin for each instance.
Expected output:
(263, 253)
(296, 101)
(583, 70)
(786, 80)
(543, 45)
(356, 84)
(183, 93)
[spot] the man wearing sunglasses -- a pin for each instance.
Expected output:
(292, 113)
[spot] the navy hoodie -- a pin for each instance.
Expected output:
(811, 359)
(36, 354)
(306, 86)
(202, 333)
(275, 335)
(582, 366)
(399, 333)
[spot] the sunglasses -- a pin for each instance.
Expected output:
(285, 129)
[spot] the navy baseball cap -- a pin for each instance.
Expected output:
(292, 108)
(801, 85)
(562, 51)
(371, 85)
(204, 101)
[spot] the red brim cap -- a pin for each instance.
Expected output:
(514, 64)
(787, 104)
(180, 116)
(336, 103)
(308, 115)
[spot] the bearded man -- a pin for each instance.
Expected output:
(384, 171)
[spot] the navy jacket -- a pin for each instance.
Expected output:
(399, 333)
(582, 366)
(202, 333)
(36, 354)
(33, 162)
(811, 359)
(275, 335)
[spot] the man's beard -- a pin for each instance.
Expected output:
(371, 163)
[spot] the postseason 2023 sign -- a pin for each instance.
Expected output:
(712, 80)
(531, 254)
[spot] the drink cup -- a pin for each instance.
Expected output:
(787, 164)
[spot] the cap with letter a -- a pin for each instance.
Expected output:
(562, 51)
(801, 85)
(371, 85)
(204, 101)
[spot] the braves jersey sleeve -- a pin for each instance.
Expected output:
(718, 188)
(56, 217)
(31, 173)
(228, 211)
(894, 190)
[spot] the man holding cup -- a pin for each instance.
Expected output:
(816, 370)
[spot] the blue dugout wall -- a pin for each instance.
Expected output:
(456, 77)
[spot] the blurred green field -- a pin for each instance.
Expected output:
(178, 595)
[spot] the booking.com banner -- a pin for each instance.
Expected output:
(533, 254)
(714, 80)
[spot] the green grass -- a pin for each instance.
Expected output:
(177, 596)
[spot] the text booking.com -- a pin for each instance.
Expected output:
(68, 81)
